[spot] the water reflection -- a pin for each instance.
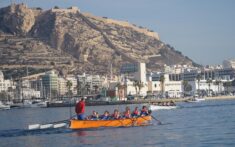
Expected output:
(22, 132)
(80, 133)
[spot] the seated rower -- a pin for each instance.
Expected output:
(94, 116)
(135, 113)
(127, 113)
(116, 114)
(105, 116)
(144, 111)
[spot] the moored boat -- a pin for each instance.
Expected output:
(200, 99)
(85, 124)
(3, 106)
(196, 100)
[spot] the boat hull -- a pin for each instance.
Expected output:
(155, 107)
(85, 124)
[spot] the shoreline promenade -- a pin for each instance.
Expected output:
(141, 101)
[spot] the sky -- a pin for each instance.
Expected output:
(203, 30)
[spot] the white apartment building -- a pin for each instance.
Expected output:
(29, 93)
(62, 89)
(135, 72)
(5, 84)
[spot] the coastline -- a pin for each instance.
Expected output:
(140, 101)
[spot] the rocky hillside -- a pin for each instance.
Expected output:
(78, 42)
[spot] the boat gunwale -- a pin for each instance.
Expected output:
(134, 118)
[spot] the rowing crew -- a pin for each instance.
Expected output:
(117, 115)
(171, 103)
(80, 111)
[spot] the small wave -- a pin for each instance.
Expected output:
(206, 105)
(23, 132)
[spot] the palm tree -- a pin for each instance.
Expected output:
(209, 81)
(198, 82)
(69, 84)
(96, 88)
(135, 84)
(140, 85)
(87, 88)
(217, 82)
(79, 88)
(162, 80)
(185, 84)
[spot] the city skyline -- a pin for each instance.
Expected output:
(201, 30)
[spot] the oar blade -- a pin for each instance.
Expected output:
(46, 126)
(34, 127)
(60, 125)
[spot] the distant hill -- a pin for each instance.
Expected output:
(69, 40)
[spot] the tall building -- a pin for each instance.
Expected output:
(134, 71)
(50, 84)
(5, 84)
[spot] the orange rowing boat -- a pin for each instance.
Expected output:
(85, 124)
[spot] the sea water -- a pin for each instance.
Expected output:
(208, 123)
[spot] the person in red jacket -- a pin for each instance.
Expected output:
(80, 109)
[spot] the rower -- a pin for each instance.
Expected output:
(94, 116)
(80, 109)
(116, 114)
(127, 113)
(135, 113)
(144, 111)
(105, 116)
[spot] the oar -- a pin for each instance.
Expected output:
(56, 124)
(159, 122)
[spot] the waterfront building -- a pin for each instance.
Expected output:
(28, 93)
(89, 83)
(134, 73)
(165, 85)
(62, 89)
(50, 84)
(5, 84)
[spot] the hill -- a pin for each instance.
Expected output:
(69, 40)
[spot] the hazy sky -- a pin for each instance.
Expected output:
(204, 30)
